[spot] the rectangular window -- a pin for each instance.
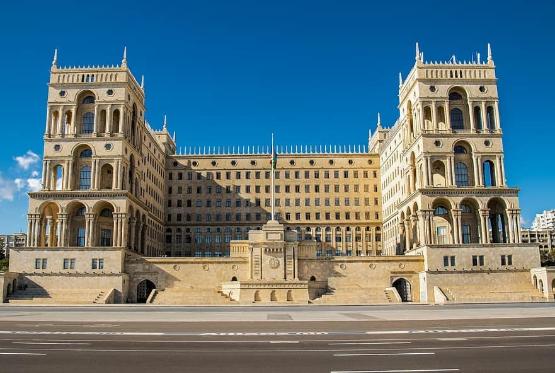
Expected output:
(106, 237)
(466, 233)
(38, 263)
(69, 263)
(44, 263)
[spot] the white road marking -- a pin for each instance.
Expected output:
(22, 353)
(259, 334)
(397, 371)
(385, 354)
(368, 343)
(51, 343)
(478, 330)
(277, 342)
(453, 339)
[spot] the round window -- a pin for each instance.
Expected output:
(370, 161)
(108, 146)
(292, 162)
(483, 89)
(110, 92)
(57, 147)
(63, 93)
(175, 163)
(330, 161)
(432, 88)
(253, 163)
(311, 162)
(214, 163)
(194, 163)
(234, 163)
(487, 143)
(351, 161)
(437, 143)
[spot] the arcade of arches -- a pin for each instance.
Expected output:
(77, 225)
(470, 221)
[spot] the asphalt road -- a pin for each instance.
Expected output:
(488, 344)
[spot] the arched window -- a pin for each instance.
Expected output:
(490, 118)
(455, 96)
(459, 149)
(489, 174)
(87, 125)
(465, 208)
(477, 117)
(58, 177)
(461, 174)
(88, 100)
(440, 211)
(85, 178)
(87, 153)
(107, 213)
(457, 121)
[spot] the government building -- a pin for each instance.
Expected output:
(421, 211)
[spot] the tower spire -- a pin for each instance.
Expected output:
(400, 79)
(55, 59)
(124, 58)
(379, 124)
(417, 56)
(490, 57)
(142, 82)
(165, 125)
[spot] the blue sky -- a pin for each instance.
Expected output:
(314, 72)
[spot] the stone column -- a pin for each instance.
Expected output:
(74, 121)
(37, 230)
(62, 218)
(447, 115)
(477, 166)
(48, 120)
(435, 126)
(139, 241)
(510, 226)
(484, 117)
(457, 225)
(121, 114)
(449, 171)
(503, 181)
(96, 119)
(518, 233)
(93, 173)
(421, 221)
(484, 233)
(115, 230)
(29, 232)
(124, 229)
(49, 229)
(132, 223)
(471, 116)
(89, 229)
(498, 173)
(109, 114)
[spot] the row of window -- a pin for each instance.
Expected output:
(277, 175)
(477, 260)
(69, 263)
(267, 202)
(258, 216)
(218, 189)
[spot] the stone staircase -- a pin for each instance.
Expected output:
(56, 296)
(191, 296)
(354, 295)
(494, 293)
(391, 296)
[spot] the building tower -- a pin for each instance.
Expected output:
(103, 166)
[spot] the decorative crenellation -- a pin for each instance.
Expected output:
(267, 150)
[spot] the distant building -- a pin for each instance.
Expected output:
(8, 241)
(545, 220)
(545, 238)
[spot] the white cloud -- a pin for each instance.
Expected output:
(27, 160)
(34, 174)
(7, 189)
(19, 183)
(34, 184)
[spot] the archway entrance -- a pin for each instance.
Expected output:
(404, 289)
(143, 290)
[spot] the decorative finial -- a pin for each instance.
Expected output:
(490, 57)
(165, 125)
(124, 59)
(142, 82)
(379, 124)
(55, 59)
(400, 79)
(417, 56)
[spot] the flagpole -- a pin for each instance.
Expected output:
(272, 163)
